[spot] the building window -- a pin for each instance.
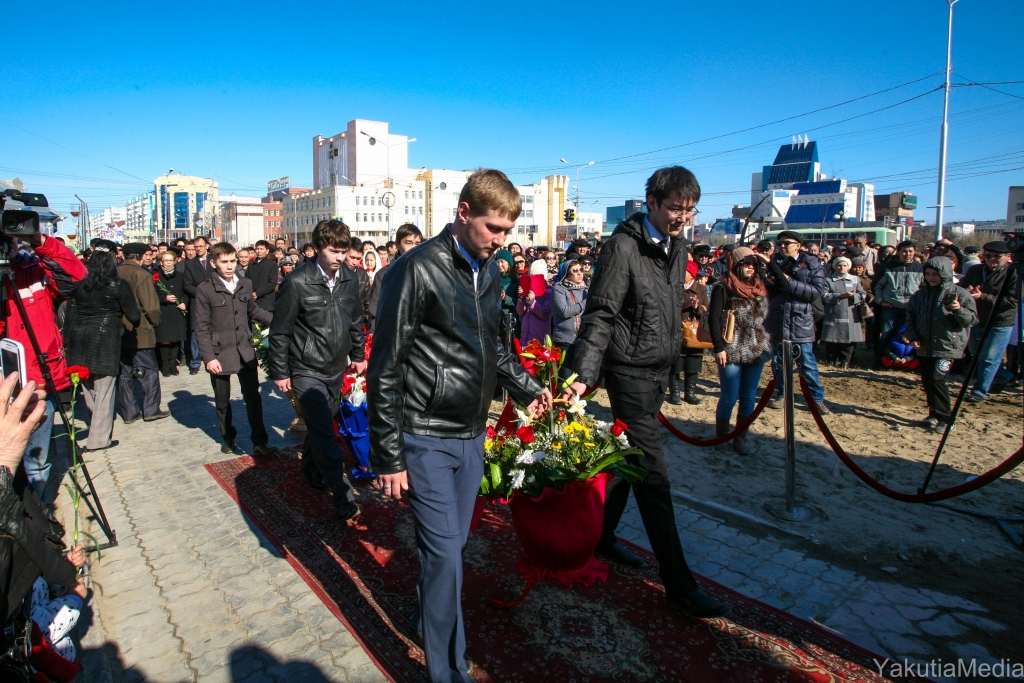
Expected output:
(1019, 219)
(1020, 207)
(380, 217)
(421, 208)
(407, 196)
(421, 194)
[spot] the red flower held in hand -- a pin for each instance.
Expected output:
(619, 428)
(525, 435)
(80, 370)
(156, 277)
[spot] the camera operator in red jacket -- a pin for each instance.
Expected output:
(45, 277)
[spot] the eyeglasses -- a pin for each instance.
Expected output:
(682, 211)
(749, 264)
(574, 271)
(520, 262)
(786, 243)
(550, 258)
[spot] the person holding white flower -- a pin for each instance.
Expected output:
(221, 311)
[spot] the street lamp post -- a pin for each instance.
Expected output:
(388, 184)
(944, 135)
(577, 168)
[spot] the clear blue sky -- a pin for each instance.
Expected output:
(238, 90)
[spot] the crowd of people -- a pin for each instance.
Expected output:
(634, 312)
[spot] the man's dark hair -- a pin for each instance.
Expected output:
(180, 241)
(765, 246)
(406, 230)
(263, 243)
(904, 244)
(306, 246)
(675, 179)
(331, 233)
(390, 243)
(221, 249)
(200, 237)
(355, 244)
(374, 246)
(162, 244)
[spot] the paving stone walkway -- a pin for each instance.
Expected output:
(194, 592)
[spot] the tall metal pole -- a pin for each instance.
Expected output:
(940, 204)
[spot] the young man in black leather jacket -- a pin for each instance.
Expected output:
(316, 335)
(435, 364)
(631, 332)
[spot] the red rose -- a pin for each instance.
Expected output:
(491, 433)
(80, 370)
(525, 435)
(156, 277)
(619, 428)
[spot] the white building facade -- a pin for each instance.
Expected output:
(241, 220)
(140, 214)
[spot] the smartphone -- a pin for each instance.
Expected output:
(949, 299)
(12, 359)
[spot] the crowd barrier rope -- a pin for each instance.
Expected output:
(705, 443)
(978, 482)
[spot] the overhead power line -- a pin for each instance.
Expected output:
(987, 87)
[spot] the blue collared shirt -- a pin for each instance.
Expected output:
(658, 238)
(473, 262)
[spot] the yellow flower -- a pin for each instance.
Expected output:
(589, 444)
(488, 444)
(556, 445)
(574, 440)
(577, 461)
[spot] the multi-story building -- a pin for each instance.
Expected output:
(1015, 209)
(615, 215)
(140, 214)
(185, 206)
(241, 220)
(898, 207)
(634, 206)
(829, 201)
(273, 221)
(110, 224)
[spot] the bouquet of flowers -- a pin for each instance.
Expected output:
(353, 390)
(261, 345)
(353, 420)
(526, 455)
(163, 288)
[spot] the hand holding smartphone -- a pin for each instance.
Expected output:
(12, 359)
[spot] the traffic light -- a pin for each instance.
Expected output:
(570, 215)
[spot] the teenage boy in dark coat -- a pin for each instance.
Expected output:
(221, 312)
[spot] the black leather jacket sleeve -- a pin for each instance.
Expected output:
(286, 310)
(403, 298)
(604, 301)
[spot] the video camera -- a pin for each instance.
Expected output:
(1015, 241)
(18, 222)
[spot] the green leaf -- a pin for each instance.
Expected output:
(496, 475)
(485, 486)
(96, 543)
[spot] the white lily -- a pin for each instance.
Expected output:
(577, 408)
(265, 332)
(523, 417)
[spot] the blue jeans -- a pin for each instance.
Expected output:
(807, 366)
(37, 452)
(196, 360)
(990, 356)
(738, 382)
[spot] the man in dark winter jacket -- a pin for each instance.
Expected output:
(984, 281)
(795, 281)
(631, 331)
(894, 287)
(407, 237)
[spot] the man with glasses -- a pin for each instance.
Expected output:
(984, 281)
(795, 280)
(631, 332)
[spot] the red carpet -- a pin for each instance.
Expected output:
(618, 631)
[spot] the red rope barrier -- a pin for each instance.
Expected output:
(765, 397)
(973, 485)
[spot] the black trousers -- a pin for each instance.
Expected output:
(933, 377)
(838, 351)
(638, 407)
(315, 396)
(140, 364)
(249, 381)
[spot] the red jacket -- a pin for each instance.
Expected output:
(44, 280)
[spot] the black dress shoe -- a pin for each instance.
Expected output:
(618, 554)
(699, 604)
(158, 416)
(261, 450)
(193, 371)
(228, 447)
(133, 420)
(348, 512)
(83, 449)
(315, 479)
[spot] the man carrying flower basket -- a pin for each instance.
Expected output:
(435, 364)
(631, 331)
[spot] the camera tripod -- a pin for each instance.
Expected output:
(91, 498)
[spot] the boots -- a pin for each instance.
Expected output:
(165, 359)
(690, 390)
(739, 444)
(721, 429)
(673, 390)
(298, 425)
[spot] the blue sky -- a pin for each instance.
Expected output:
(237, 90)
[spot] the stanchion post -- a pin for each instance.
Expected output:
(790, 511)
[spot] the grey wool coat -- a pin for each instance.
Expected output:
(842, 317)
(221, 322)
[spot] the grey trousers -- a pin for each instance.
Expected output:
(99, 394)
(142, 364)
(444, 477)
(315, 396)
